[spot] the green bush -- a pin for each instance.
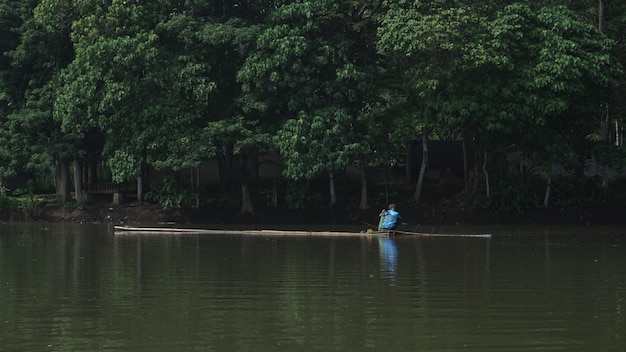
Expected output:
(169, 193)
(5, 203)
(301, 196)
(27, 201)
(511, 197)
(573, 191)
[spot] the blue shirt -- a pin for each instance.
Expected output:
(391, 219)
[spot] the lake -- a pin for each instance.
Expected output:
(77, 287)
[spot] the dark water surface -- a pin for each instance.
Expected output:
(81, 288)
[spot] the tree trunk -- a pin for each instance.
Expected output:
(464, 163)
(225, 166)
(246, 201)
(601, 16)
(63, 180)
(143, 180)
(140, 188)
(92, 174)
(78, 182)
(194, 183)
(197, 169)
(486, 174)
(420, 178)
(363, 205)
(274, 201)
(248, 168)
(605, 122)
(333, 194)
(546, 198)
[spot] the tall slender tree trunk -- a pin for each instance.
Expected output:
(246, 201)
(140, 188)
(92, 173)
(420, 178)
(225, 166)
(63, 180)
(486, 174)
(333, 193)
(274, 200)
(249, 169)
(464, 163)
(143, 177)
(546, 198)
(363, 205)
(140, 183)
(196, 171)
(276, 182)
(601, 16)
(605, 124)
(78, 182)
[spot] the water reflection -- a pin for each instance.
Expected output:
(388, 253)
(81, 288)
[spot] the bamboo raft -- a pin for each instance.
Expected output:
(127, 230)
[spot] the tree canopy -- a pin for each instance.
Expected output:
(322, 85)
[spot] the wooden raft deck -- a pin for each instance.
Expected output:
(121, 230)
(126, 230)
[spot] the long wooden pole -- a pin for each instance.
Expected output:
(409, 233)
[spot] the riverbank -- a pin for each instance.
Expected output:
(439, 206)
(434, 214)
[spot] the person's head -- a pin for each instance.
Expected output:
(392, 206)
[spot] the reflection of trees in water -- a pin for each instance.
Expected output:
(388, 253)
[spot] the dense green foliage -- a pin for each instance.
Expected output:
(322, 84)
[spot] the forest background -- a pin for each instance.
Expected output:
(149, 91)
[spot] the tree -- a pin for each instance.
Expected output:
(122, 85)
(155, 80)
(43, 50)
(13, 14)
(214, 44)
(314, 67)
(499, 72)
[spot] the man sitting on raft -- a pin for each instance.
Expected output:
(388, 218)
